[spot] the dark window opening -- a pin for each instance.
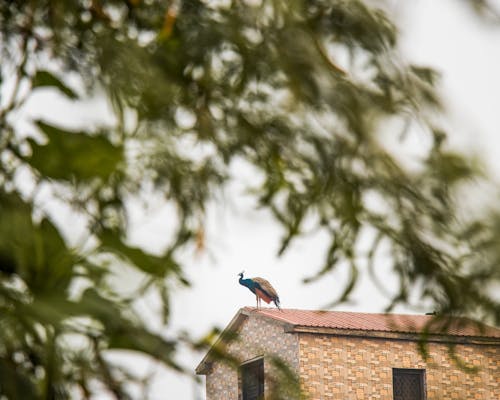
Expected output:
(252, 380)
(408, 384)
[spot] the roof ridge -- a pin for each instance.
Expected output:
(254, 309)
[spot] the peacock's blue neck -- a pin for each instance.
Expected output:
(248, 283)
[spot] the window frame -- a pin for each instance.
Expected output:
(420, 372)
(259, 363)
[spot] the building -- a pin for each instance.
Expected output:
(347, 355)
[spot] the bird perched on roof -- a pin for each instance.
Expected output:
(262, 289)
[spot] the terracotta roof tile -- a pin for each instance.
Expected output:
(400, 323)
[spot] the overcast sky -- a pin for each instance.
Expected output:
(443, 34)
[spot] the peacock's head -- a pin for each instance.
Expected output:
(241, 274)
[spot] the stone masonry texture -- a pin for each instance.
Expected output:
(336, 367)
(257, 337)
(357, 368)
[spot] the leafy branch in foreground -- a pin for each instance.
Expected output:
(307, 92)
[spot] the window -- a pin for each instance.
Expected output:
(252, 380)
(408, 384)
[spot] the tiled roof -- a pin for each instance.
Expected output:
(396, 323)
(392, 326)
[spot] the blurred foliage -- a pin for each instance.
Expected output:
(488, 10)
(306, 91)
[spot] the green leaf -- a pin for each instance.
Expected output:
(427, 74)
(154, 265)
(74, 155)
(165, 300)
(122, 331)
(47, 79)
(139, 339)
(35, 252)
(15, 383)
(55, 266)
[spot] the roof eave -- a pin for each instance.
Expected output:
(412, 336)
(226, 336)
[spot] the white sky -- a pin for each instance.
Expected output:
(442, 34)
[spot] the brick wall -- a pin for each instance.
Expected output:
(258, 336)
(333, 367)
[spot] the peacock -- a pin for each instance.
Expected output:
(262, 289)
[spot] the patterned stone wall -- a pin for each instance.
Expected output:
(356, 368)
(257, 337)
(346, 368)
